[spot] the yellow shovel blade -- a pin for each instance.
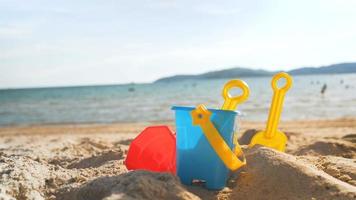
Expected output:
(278, 141)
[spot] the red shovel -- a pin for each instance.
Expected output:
(154, 149)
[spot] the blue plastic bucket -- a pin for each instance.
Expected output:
(196, 159)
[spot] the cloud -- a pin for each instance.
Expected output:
(217, 9)
(15, 32)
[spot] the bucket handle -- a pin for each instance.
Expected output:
(201, 116)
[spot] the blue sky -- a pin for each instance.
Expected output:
(67, 42)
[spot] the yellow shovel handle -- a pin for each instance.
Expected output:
(231, 102)
(201, 116)
(277, 102)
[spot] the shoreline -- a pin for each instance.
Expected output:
(129, 127)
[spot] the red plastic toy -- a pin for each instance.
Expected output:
(154, 149)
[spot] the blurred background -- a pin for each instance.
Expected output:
(118, 61)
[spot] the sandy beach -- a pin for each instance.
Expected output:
(85, 161)
(80, 80)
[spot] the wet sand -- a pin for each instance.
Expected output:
(85, 161)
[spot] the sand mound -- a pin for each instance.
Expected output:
(247, 136)
(28, 175)
(133, 185)
(98, 160)
(94, 152)
(341, 168)
(22, 177)
(326, 147)
(275, 175)
(350, 138)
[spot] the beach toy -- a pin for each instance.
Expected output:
(154, 149)
(272, 137)
(207, 147)
(231, 102)
(201, 116)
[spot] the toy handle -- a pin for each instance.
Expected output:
(277, 102)
(201, 116)
(230, 102)
(275, 79)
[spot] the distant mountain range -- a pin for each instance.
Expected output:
(245, 72)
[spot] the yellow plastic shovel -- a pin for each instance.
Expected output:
(272, 137)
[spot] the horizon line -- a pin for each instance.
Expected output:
(152, 82)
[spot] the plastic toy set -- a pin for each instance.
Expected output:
(205, 146)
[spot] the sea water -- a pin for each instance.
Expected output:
(152, 102)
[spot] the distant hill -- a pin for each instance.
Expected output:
(331, 69)
(226, 73)
(245, 72)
